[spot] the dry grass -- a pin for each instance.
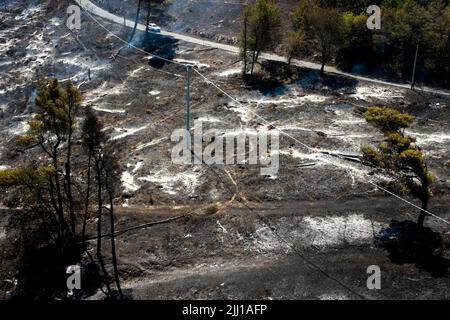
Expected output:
(212, 209)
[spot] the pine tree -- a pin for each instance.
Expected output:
(399, 157)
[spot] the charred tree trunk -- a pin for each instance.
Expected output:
(149, 7)
(244, 39)
(425, 198)
(423, 213)
(69, 179)
(136, 21)
(59, 197)
(113, 238)
(322, 68)
(88, 194)
(99, 224)
(253, 61)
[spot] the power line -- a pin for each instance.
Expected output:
(207, 80)
(129, 44)
(293, 247)
(316, 149)
(277, 235)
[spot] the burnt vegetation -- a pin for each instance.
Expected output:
(54, 199)
(65, 188)
(336, 32)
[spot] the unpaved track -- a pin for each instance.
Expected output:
(202, 266)
(92, 8)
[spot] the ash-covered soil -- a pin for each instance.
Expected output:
(289, 250)
(318, 202)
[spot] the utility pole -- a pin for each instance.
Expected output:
(414, 69)
(188, 111)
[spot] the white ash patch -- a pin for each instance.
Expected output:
(333, 296)
(20, 128)
(353, 229)
(355, 171)
(38, 50)
(6, 62)
(246, 132)
(297, 154)
(125, 132)
(136, 71)
(292, 102)
(154, 92)
(108, 110)
(350, 121)
(126, 203)
(11, 88)
(5, 46)
(264, 239)
(102, 91)
(79, 63)
(174, 183)
(430, 138)
(229, 72)
(369, 93)
(56, 21)
(243, 111)
(154, 142)
(27, 12)
(198, 64)
(314, 98)
(4, 167)
(209, 119)
(137, 166)
(128, 181)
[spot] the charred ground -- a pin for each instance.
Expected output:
(248, 244)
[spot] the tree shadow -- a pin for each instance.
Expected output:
(436, 266)
(308, 79)
(270, 87)
(406, 242)
(276, 79)
(161, 46)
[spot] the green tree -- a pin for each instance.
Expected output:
(102, 159)
(327, 31)
(260, 29)
(357, 44)
(49, 129)
(398, 156)
(92, 141)
(294, 46)
(42, 191)
(321, 26)
(136, 21)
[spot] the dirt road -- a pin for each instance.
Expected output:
(302, 250)
(92, 8)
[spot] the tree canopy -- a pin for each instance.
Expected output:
(398, 156)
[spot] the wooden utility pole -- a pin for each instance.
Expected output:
(413, 81)
(188, 111)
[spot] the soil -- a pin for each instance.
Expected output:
(318, 207)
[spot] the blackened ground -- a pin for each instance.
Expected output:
(319, 203)
(288, 250)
